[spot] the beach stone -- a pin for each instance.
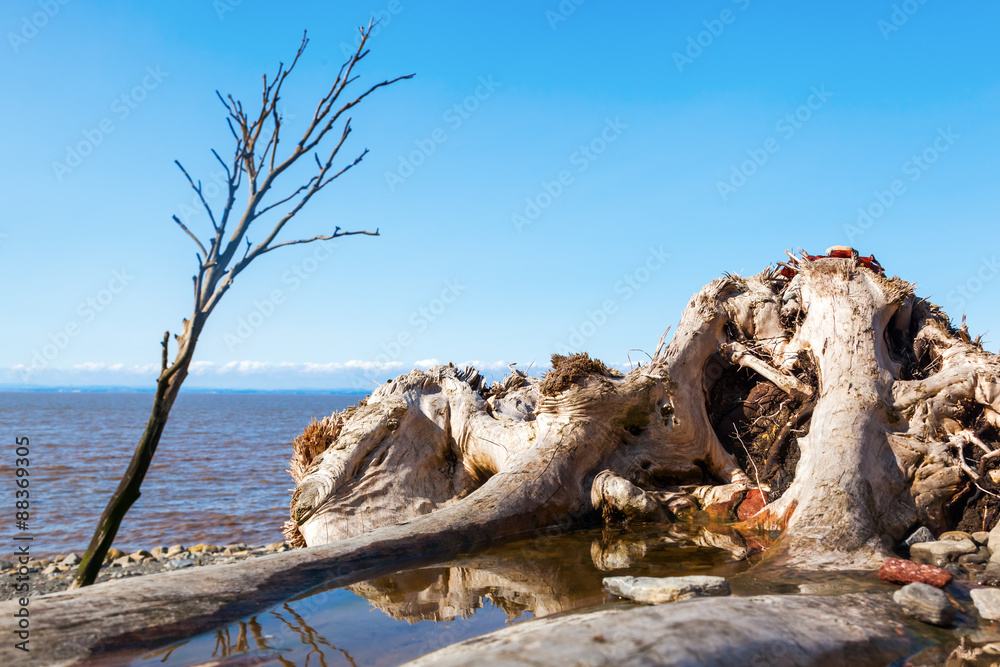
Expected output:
(987, 601)
(754, 502)
(274, 546)
(900, 571)
(656, 590)
(925, 603)
(140, 555)
(990, 575)
(981, 537)
(181, 563)
(113, 554)
(993, 541)
(957, 570)
(942, 552)
(71, 559)
(124, 561)
(980, 557)
(922, 534)
(50, 569)
(174, 550)
(158, 552)
(205, 549)
(954, 536)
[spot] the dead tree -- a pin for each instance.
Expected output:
(256, 169)
(824, 403)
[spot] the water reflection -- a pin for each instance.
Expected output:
(394, 618)
(540, 577)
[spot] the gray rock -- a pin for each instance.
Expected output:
(925, 603)
(50, 569)
(656, 590)
(922, 534)
(993, 541)
(124, 561)
(980, 557)
(981, 537)
(957, 571)
(180, 563)
(987, 601)
(991, 575)
(941, 553)
(954, 536)
(71, 559)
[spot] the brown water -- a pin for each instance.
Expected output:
(395, 618)
(218, 475)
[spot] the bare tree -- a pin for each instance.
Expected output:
(255, 168)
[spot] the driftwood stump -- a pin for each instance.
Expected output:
(823, 404)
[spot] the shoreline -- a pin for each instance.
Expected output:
(53, 575)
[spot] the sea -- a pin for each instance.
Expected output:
(219, 475)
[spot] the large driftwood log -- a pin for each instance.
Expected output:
(891, 412)
(766, 630)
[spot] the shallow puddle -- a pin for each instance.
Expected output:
(398, 617)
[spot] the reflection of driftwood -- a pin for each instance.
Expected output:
(889, 404)
(547, 577)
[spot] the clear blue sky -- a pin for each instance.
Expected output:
(834, 100)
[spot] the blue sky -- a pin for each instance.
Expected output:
(558, 176)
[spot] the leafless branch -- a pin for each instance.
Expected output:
(197, 189)
(257, 135)
(336, 235)
(166, 340)
(193, 237)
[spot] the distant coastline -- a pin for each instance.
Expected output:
(113, 389)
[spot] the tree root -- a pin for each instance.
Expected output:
(887, 414)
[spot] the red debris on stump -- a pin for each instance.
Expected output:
(901, 571)
(754, 502)
(838, 252)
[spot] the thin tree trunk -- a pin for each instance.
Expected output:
(220, 261)
(129, 489)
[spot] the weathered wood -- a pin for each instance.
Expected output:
(767, 630)
(433, 462)
(881, 455)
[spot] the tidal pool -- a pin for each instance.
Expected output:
(391, 619)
